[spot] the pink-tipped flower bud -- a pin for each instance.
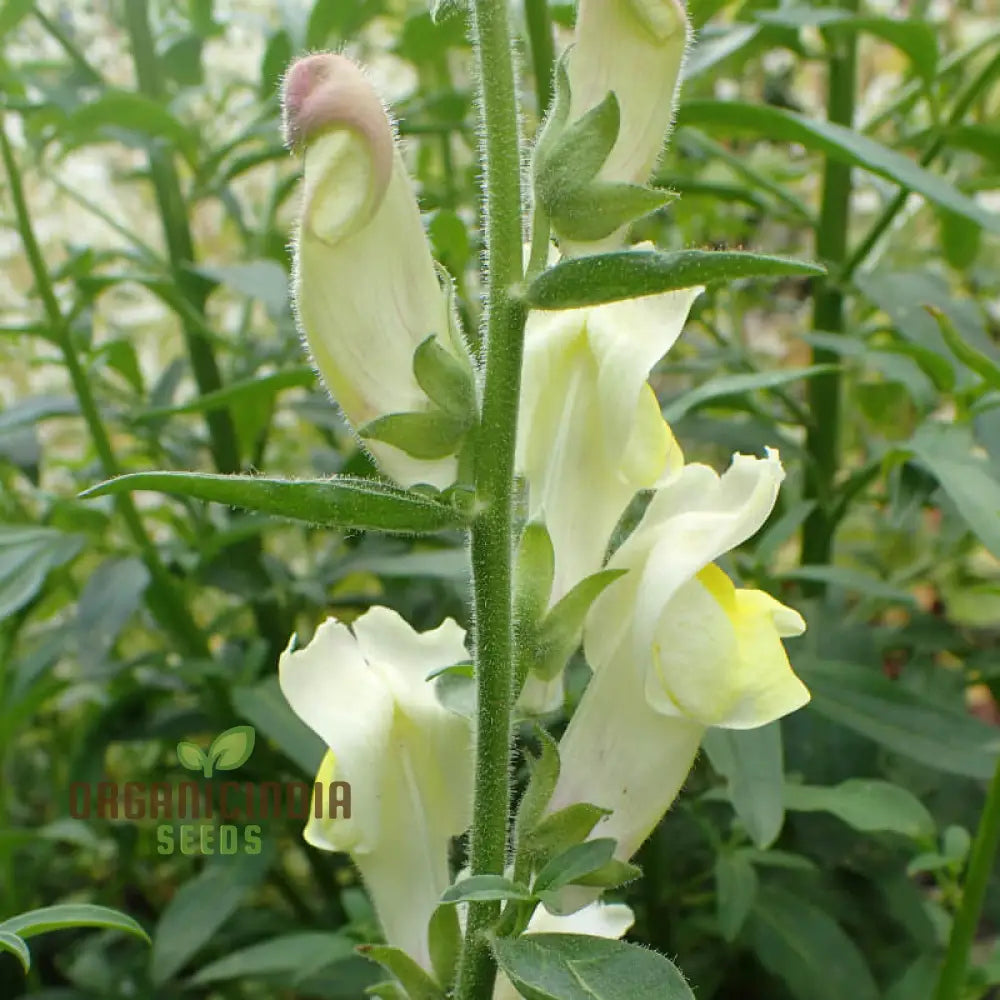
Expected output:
(366, 291)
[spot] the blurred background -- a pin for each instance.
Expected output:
(145, 324)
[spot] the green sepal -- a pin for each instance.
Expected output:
(562, 629)
(417, 984)
(596, 211)
(542, 783)
(534, 569)
(426, 435)
(577, 153)
(447, 382)
(611, 875)
(557, 117)
(444, 940)
(562, 830)
(574, 863)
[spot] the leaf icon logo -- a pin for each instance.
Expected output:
(228, 751)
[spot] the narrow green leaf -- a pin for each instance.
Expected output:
(610, 875)
(594, 212)
(574, 863)
(628, 274)
(27, 555)
(278, 956)
(534, 569)
(257, 389)
(723, 386)
(883, 710)
(806, 948)
(970, 356)
(946, 452)
(840, 143)
(735, 891)
(128, 112)
(481, 888)
(340, 502)
(867, 805)
(16, 946)
(544, 775)
(12, 13)
(426, 435)
(56, 918)
(578, 967)
(752, 763)
(265, 706)
(417, 983)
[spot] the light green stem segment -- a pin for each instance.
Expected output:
(492, 542)
(163, 598)
(951, 985)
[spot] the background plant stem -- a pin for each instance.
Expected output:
(822, 439)
(539, 23)
(951, 984)
(272, 623)
(492, 542)
(165, 602)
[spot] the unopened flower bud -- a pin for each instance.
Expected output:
(366, 291)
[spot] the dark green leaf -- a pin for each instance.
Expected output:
(201, 906)
(544, 775)
(444, 939)
(627, 274)
(414, 980)
(284, 955)
(723, 386)
(946, 452)
(341, 502)
(131, 113)
(265, 707)
(563, 829)
(577, 967)
(751, 761)
(866, 805)
(885, 711)
(808, 950)
(56, 918)
(12, 943)
(838, 142)
(736, 890)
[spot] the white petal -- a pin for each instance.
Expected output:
(628, 338)
(330, 687)
(599, 919)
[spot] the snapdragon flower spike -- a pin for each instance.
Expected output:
(363, 691)
(365, 288)
(590, 431)
(676, 648)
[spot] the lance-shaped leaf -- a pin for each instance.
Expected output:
(839, 143)
(629, 274)
(417, 984)
(340, 502)
(55, 918)
(17, 947)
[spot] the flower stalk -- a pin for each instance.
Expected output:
(492, 541)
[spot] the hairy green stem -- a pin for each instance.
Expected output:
(951, 984)
(164, 600)
(539, 24)
(822, 437)
(492, 531)
(933, 151)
